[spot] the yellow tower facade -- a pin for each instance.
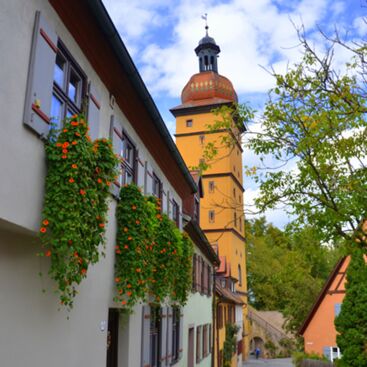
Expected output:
(221, 208)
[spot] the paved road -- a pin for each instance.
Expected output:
(281, 362)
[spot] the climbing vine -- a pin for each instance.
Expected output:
(153, 258)
(229, 346)
(79, 173)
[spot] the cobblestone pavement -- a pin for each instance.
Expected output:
(281, 362)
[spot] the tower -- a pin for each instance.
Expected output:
(221, 209)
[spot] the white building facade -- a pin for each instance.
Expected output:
(38, 38)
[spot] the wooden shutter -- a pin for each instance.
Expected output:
(180, 341)
(205, 269)
(169, 336)
(210, 284)
(37, 109)
(116, 138)
(198, 272)
(163, 335)
(140, 171)
(194, 273)
(168, 204)
(149, 179)
(94, 106)
(145, 338)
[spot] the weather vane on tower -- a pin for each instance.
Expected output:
(205, 17)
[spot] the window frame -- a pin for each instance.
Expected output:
(61, 92)
(176, 326)
(211, 186)
(175, 212)
(156, 182)
(189, 123)
(211, 214)
(155, 332)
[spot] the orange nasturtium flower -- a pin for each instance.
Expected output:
(83, 271)
(65, 130)
(64, 151)
(126, 247)
(71, 180)
(77, 134)
(133, 207)
(43, 230)
(123, 303)
(74, 116)
(128, 293)
(74, 123)
(74, 142)
(126, 229)
(82, 192)
(48, 253)
(101, 225)
(108, 183)
(138, 270)
(117, 280)
(65, 145)
(99, 180)
(58, 144)
(45, 222)
(64, 156)
(128, 286)
(74, 166)
(137, 222)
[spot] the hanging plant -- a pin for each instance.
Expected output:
(79, 173)
(153, 258)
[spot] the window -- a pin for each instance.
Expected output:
(127, 152)
(234, 192)
(69, 87)
(240, 224)
(211, 186)
(157, 187)
(188, 123)
(176, 213)
(239, 276)
(220, 316)
(205, 341)
(201, 139)
(337, 308)
(235, 219)
(202, 276)
(198, 344)
(197, 210)
(211, 216)
(175, 333)
(155, 331)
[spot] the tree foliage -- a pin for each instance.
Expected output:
(351, 323)
(314, 125)
(285, 273)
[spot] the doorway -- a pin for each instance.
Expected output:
(112, 337)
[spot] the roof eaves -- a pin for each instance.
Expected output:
(108, 28)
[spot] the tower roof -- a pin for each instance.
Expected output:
(207, 88)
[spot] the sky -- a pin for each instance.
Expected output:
(254, 36)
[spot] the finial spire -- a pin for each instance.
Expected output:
(205, 17)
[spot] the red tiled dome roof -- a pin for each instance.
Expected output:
(208, 86)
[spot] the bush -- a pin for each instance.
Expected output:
(299, 357)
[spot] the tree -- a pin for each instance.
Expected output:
(282, 275)
(352, 320)
(314, 125)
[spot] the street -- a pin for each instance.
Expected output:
(280, 362)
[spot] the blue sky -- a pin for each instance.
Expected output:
(253, 34)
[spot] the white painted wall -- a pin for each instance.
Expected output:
(197, 311)
(33, 332)
(239, 323)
